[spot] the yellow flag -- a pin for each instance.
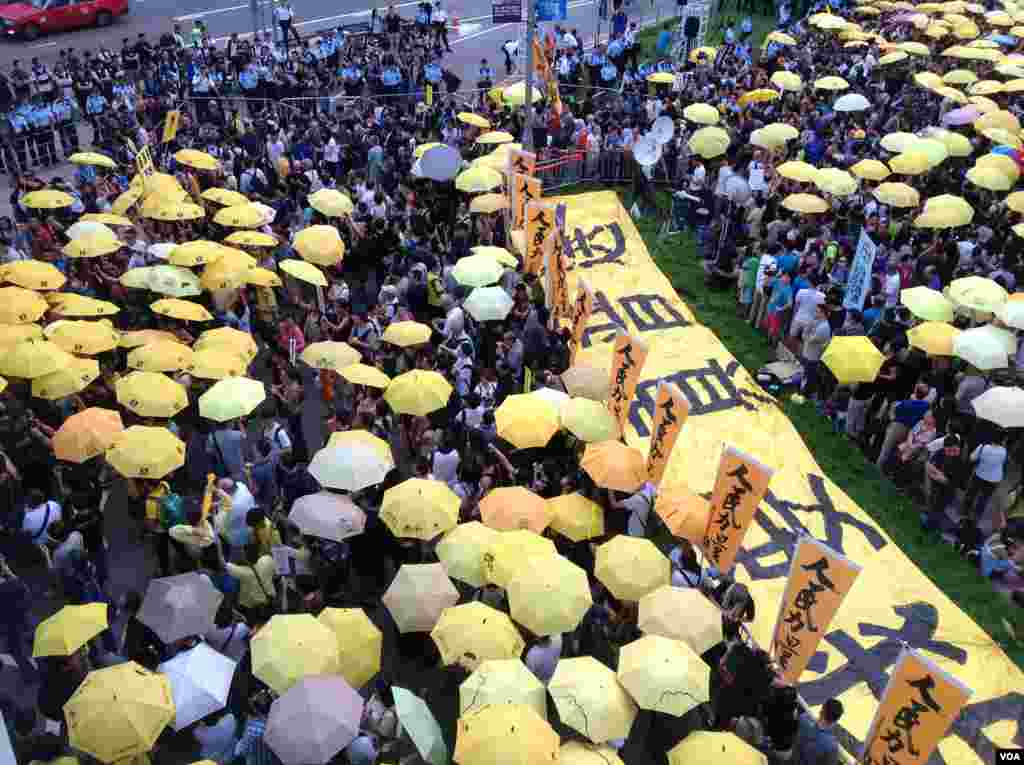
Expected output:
(525, 189)
(627, 363)
(740, 486)
(171, 125)
(540, 223)
(671, 410)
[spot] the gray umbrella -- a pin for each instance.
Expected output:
(317, 718)
(177, 607)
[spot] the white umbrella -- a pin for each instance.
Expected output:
(177, 607)
(6, 750)
(200, 681)
(488, 304)
(85, 228)
(1002, 405)
(851, 102)
(349, 467)
(328, 516)
(160, 250)
(986, 347)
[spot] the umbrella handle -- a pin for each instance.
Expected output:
(208, 496)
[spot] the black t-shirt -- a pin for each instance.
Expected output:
(952, 467)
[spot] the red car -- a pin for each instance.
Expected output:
(29, 20)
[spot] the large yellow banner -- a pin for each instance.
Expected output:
(892, 604)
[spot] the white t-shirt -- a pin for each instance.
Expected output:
(892, 289)
(806, 302)
(766, 262)
(445, 465)
(37, 520)
(724, 174)
(757, 180)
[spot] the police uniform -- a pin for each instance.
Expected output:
(41, 119)
(486, 78)
(22, 129)
(64, 119)
(353, 77)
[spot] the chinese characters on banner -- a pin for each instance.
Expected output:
(819, 579)
(522, 162)
(627, 362)
(556, 272)
(859, 283)
(740, 486)
(671, 410)
(920, 702)
(540, 224)
(525, 189)
(144, 164)
(582, 308)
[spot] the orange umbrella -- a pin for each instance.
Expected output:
(515, 507)
(613, 465)
(87, 434)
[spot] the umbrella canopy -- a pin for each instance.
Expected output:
(231, 398)
(313, 721)
(330, 354)
(1011, 313)
(590, 699)
(853, 359)
(787, 80)
(69, 629)
(706, 748)
(162, 356)
(589, 420)
(69, 304)
(119, 712)
(474, 632)
(549, 595)
(418, 595)
(986, 347)
(488, 304)
(504, 559)
(831, 82)
(461, 552)
(181, 606)
(502, 681)
(93, 158)
(331, 202)
(587, 381)
(575, 517)
(21, 306)
(478, 178)
(359, 643)
(33, 275)
(702, 114)
(421, 725)
(196, 253)
(327, 516)
(796, 170)
(251, 239)
(216, 364)
(681, 613)
(418, 392)
(364, 374)
(496, 137)
(851, 102)
(87, 434)
(469, 118)
(151, 394)
(808, 204)
(200, 680)
(181, 309)
(73, 378)
(200, 160)
(350, 467)
(1002, 405)
(419, 508)
(303, 271)
(583, 753)
(12, 334)
(290, 647)
(31, 359)
(488, 203)
(978, 293)
(224, 197)
(477, 271)
(664, 675)
(144, 336)
(47, 199)
(146, 452)
(897, 195)
(515, 507)
(361, 438)
(836, 182)
(407, 333)
(631, 567)
(484, 735)
(240, 216)
(928, 304)
(613, 465)
(321, 245)
(945, 211)
(933, 337)
(710, 142)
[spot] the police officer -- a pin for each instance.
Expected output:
(352, 76)
(21, 129)
(95, 106)
(64, 119)
(485, 77)
(595, 60)
(41, 119)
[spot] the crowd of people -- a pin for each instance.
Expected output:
(402, 239)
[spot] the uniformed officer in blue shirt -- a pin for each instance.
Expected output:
(352, 76)
(391, 78)
(594, 61)
(616, 51)
(41, 119)
(485, 80)
(21, 129)
(609, 74)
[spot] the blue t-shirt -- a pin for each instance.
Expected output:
(871, 317)
(782, 294)
(788, 263)
(910, 412)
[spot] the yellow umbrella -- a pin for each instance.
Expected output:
(898, 142)
(363, 439)
(796, 170)
(181, 309)
(977, 293)
(956, 145)
(503, 560)
(144, 336)
(292, 646)
(502, 681)
(631, 567)
(218, 277)
(462, 551)
(805, 203)
(485, 736)
(423, 148)
(787, 81)
(303, 271)
(933, 149)
(1001, 162)
(588, 420)
(780, 37)
(853, 359)
(360, 643)
(707, 748)
(146, 452)
(584, 753)
(836, 182)
(709, 142)
(216, 364)
(93, 158)
(933, 337)
(161, 356)
(33, 275)
(321, 245)
(960, 77)
(231, 398)
(1015, 201)
(575, 517)
(418, 392)
(613, 465)
(69, 629)
(707, 53)
(661, 78)
(47, 199)
(330, 354)
(240, 216)
(488, 203)
(151, 394)
(590, 699)
(953, 210)
(262, 277)
(418, 595)
(31, 359)
(951, 93)
(177, 211)
(910, 163)
(702, 114)
(871, 170)
(515, 507)
(251, 239)
(892, 58)
(198, 253)
(200, 160)
(86, 338)
(419, 508)
(989, 178)
(897, 195)
(73, 378)
(495, 137)
(683, 614)
(915, 48)
(474, 632)
(831, 82)
(828, 21)
(500, 254)
(477, 179)
(18, 305)
(986, 88)
(108, 219)
(91, 247)
(118, 713)
(1016, 85)
(225, 197)
(1003, 137)
(758, 96)
(237, 341)
(549, 595)
(664, 675)
(928, 304)
(468, 118)
(126, 200)
(407, 333)
(363, 374)
(12, 334)
(526, 421)
(1001, 119)
(331, 202)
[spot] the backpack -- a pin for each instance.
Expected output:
(172, 511)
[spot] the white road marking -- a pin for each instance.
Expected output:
(44, 45)
(466, 29)
(233, 8)
(213, 12)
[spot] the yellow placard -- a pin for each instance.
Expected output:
(819, 579)
(582, 307)
(918, 706)
(739, 488)
(628, 359)
(671, 410)
(171, 123)
(892, 603)
(540, 224)
(428, 94)
(144, 163)
(525, 189)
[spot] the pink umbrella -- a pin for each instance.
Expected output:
(965, 115)
(317, 718)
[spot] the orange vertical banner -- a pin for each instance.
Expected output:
(526, 189)
(920, 702)
(540, 224)
(740, 486)
(819, 579)
(627, 362)
(671, 410)
(582, 307)
(519, 161)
